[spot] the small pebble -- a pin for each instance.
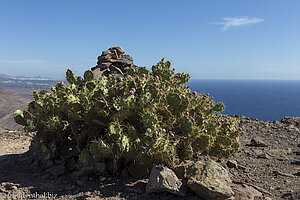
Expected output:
(232, 164)
(257, 142)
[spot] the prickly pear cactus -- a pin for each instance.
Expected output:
(144, 117)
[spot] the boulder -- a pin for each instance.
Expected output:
(209, 180)
(163, 179)
(245, 192)
(180, 170)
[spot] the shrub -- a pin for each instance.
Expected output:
(144, 117)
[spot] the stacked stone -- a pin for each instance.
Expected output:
(113, 61)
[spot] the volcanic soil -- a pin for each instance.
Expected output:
(268, 162)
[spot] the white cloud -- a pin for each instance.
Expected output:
(229, 22)
(31, 61)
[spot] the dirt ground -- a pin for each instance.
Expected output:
(271, 166)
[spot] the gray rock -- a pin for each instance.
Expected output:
(289, 151)
(245, 192)
(275, 172)
(209, 180)
(180, 170)
(163, 179)
(294, 121)
(263, 155)
(113, 61)
(232, 164)
(267, 198)
(257, 142)
(291, 195)
(127, 59)
(14, 187)
(10, 187)
(93, 198)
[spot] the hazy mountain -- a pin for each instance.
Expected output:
(16, 93)
(34, 83)
(23, 86)
(9, 102)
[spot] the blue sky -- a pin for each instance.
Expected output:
(249, 39)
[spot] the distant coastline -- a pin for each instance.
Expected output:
(266, 100)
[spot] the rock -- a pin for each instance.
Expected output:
(291, 195)
(279, 154)
(245, 192)
(138, 171)
(180, 170)
(163, 179)
(275, 172)
(257, 142)
(267, 198)
(14, 187)
(93, 198)
(289, 151)
(263, 155)
(113, 61)
(294, 121)
(209, 180)
(297, 174)
(232, 164)
(10, 187)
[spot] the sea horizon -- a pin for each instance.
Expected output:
(266, 100)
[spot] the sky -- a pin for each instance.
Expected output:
(216, 39)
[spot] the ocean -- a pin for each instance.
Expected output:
(267, 100)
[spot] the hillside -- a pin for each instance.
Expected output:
(268, 169)
(9, 102)
(16, 93)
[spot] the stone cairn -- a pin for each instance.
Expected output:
(113, 61)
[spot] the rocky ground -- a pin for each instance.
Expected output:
(267, 166)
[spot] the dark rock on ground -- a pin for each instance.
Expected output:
(257, 142)
(232, 164)
(209, 180)
(245, 192)
(163, 179)
(180, 170)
